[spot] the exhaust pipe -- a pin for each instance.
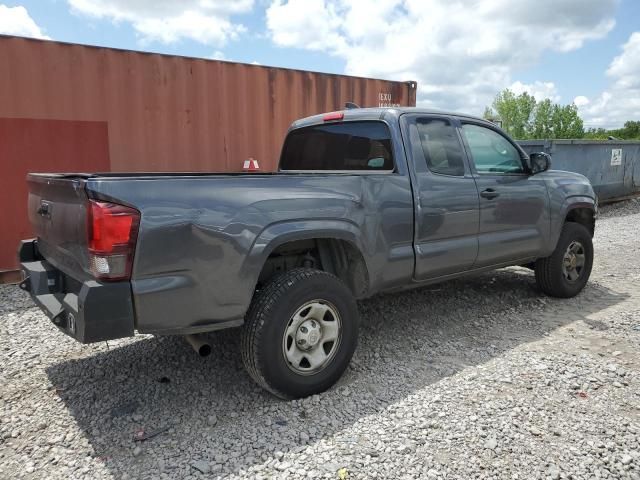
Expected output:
(199, 344)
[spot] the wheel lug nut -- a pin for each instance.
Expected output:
(303, 329)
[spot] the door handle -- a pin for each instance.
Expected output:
(489, 193)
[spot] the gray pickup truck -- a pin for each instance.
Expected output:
(364, 201)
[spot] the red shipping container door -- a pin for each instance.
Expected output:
(29, 145)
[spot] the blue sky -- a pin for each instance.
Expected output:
(57, 21)
(461, 54)
(581, 72)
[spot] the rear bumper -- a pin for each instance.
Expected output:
(88, 311)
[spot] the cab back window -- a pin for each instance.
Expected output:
(339, 146)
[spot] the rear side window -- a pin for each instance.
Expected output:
(440, 145)
(339, 146)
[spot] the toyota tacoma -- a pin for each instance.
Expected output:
(364, 201)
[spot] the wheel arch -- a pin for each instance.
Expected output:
(336, 246)
(584, 214)
(574, 209)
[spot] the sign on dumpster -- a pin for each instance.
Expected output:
(616, 157)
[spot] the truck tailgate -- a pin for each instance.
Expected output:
(58, 214)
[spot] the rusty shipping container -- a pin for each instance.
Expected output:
(66, 107)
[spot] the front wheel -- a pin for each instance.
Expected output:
(300, 333)
(565, 272)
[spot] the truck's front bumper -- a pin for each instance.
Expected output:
(88, 311)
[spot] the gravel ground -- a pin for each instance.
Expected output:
(477, 378)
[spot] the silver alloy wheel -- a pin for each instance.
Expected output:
(312, 337)
(573, 261)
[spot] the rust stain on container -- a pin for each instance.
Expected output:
(159, 112)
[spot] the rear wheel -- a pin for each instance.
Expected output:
(566, 271)
(300, 333)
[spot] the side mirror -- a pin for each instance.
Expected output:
(539, 162)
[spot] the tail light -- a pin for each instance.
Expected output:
(113, 230)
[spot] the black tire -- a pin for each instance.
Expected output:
(550, 276)
(269, 317)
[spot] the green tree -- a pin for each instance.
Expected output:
(630, 131)
(515, 112)
(596, 134)
(566, 122)
(543, 120)
(489, 114)
(525, 118)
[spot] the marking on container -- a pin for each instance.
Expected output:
(616, 157)
(385, 100)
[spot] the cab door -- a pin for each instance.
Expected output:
(447, 205)
(514, 205)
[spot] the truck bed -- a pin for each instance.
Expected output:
(203, 238)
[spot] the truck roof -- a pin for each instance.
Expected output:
(378, 113)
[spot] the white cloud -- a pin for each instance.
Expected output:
(581, 101)
(461, 53)
(168, 21)
(621, 100)
(218, 55)
(17, 21)
(625, 68)
(539, 90)
(311, 24)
